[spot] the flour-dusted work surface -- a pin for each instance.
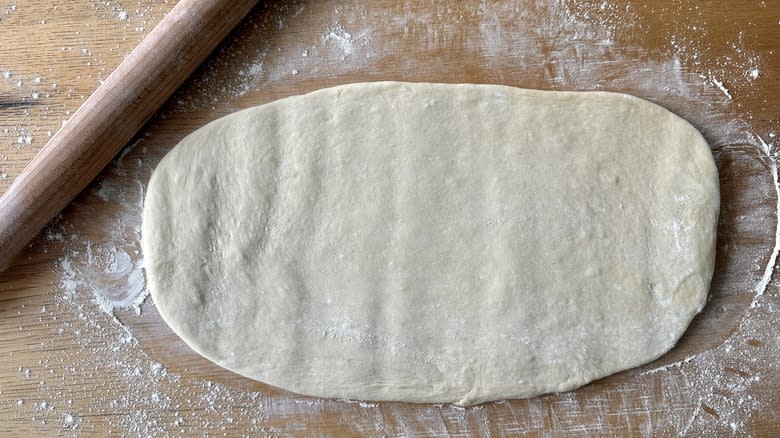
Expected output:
(83, 351)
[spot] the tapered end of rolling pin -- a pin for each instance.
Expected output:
(112, 116)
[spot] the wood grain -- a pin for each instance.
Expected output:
(132, 376)
(111, 116)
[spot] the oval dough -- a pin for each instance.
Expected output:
(434, 242)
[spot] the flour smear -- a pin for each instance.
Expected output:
(101, 278)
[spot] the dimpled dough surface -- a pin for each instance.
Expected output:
(432, 242)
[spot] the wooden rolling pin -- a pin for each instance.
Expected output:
(112, 116)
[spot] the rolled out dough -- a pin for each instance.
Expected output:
(433, 242)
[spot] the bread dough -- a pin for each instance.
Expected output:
(434, 242)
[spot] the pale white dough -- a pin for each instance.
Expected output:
(434, 243)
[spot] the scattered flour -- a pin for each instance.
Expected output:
(111, 271)
(721, 87)
(102, 291)
(771, 264)
(70, 422)
(341, 38)
(24, 139)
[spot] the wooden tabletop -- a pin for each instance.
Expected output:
(84, 352)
